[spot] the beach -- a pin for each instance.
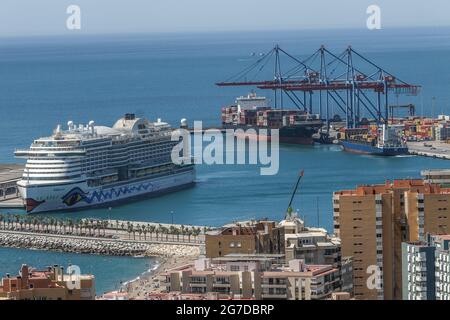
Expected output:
(148, 282)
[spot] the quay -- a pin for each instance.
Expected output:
(434, 149)
(9, 193)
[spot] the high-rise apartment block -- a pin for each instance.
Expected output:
(426, 269)
(373, 221)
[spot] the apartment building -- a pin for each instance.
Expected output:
(247, 237)
(254, 277)
(442, 266)
(313, 245)
(373, 221)
(439, 176)
(418, 271)
(50, 284)
(426, 269)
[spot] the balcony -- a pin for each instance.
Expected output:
(197, 284)
(274, 295)
(221, 285)
(273, 285)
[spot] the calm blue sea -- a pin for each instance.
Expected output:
(46, 81)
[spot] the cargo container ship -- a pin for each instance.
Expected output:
(253, 112)
(387, 141)
(92, 165)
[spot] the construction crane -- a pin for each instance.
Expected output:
(289, 208)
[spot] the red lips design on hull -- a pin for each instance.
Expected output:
(31, 204)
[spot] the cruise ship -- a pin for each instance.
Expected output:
(90, 165)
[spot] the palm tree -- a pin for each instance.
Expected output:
(50, 223)
(138, 228)
(151, 230)
(78, 226)
(129, 230)
(166, 231)
(189, 234)
(33, 223)
(37, 224)
(144, 230)
(183, 231)
(105, 226)
(172, 230)
(17, 219)
(62, 225)
(86, 226)
(177, 232)
(157, 230)
(70, 223)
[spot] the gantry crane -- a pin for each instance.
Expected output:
(349, 81)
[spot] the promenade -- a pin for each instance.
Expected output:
(104, 237)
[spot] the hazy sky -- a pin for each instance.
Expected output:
(44, 17)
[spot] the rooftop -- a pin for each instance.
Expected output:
(417, 185)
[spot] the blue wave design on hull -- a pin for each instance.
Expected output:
(76, 195)
(115, 193)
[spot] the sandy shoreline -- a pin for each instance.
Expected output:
(148, 282)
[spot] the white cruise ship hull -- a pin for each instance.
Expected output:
(78, 195)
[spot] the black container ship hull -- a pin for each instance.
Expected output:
(302, 135)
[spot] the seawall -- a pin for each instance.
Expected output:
(89, 245)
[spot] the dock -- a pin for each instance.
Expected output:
(433, 149)
(9, 193)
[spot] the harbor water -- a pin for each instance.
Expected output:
(48, 81)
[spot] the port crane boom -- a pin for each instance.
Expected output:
(289, 208)
(325, 83)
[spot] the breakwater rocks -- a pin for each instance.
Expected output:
(93, 246)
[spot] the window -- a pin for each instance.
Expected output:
(234, 268)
